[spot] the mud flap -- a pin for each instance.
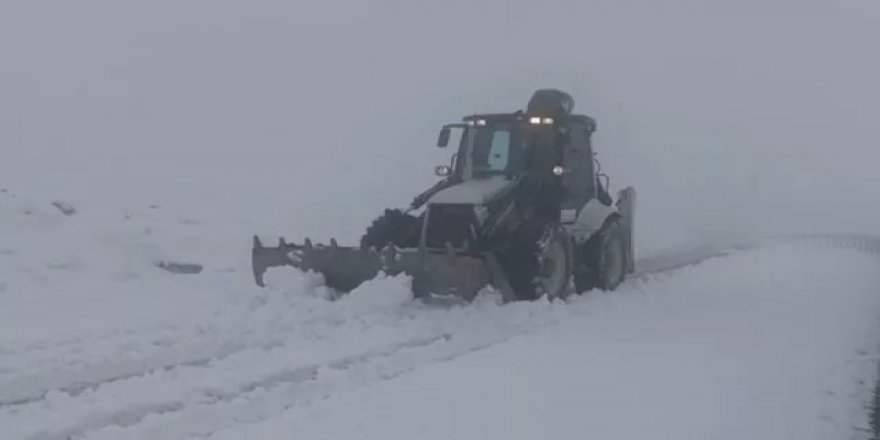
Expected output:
(626, 205)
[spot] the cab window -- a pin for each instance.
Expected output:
(579, 180)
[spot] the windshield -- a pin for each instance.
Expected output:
(489, 149)
(502, 149)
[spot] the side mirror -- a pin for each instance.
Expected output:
(443, 139)
(442, 170)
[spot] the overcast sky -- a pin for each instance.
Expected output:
(729, 117)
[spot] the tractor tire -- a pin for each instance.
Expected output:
(584, 281)
(612, 259)
(538, 263)
(394, 226)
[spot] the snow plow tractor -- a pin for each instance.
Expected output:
(522, 207)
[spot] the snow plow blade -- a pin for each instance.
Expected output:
(434, 273)
(343, 268)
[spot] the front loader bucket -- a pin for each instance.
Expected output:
(343, 268)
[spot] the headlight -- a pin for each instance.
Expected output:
(558, 170)
(537, 120)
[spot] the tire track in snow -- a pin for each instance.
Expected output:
(35, 387)
(313, 384)
(229, 412)
(22, 390)
(214, 346)
(670, 261)
(282, 389)
(212, 400)
(132, 415)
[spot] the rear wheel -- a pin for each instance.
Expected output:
(603, 260)
(612, 258)
(584, 280)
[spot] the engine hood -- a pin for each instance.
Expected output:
(474, 192)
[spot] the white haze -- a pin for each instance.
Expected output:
(730, 118)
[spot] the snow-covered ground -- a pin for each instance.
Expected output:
(178, 129)
(774, 341)
(760, 345)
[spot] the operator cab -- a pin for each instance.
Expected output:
(546, 146)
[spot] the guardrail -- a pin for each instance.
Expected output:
(861, 242)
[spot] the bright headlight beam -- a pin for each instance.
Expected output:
(537, 120)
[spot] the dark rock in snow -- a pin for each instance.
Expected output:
(179, 268)
(64, 207)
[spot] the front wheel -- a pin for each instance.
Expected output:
(554, 263)
(540, 263)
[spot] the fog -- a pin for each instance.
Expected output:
(730, 118)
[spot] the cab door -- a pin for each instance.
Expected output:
(578, 181)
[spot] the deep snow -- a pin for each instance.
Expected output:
(760, 343)
(178, 129)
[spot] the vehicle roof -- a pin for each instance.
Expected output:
(521, 116)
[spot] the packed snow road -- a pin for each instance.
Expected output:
(777, 341)
(772, 343)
